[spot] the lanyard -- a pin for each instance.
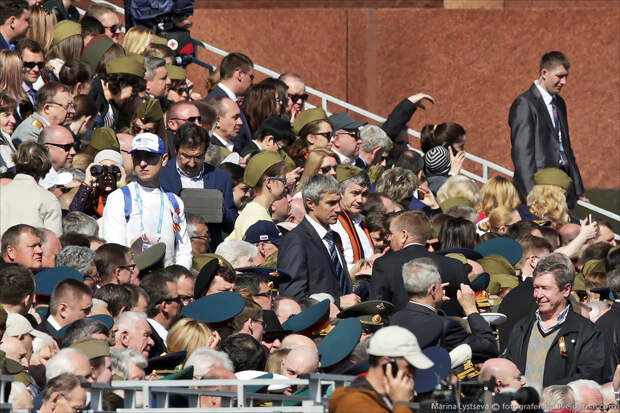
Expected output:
(161, 211)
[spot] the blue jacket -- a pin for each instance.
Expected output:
(213, 178)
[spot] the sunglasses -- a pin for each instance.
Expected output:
(295, 98)
(32, 65)
(192, 119)
(326, 135)
(182, 90)
(64, 146)
(266, 294)
(436, 245)
(325, 169)
(354, 134)
(178, 299)
(135, 129)
(115, 28)
(186, 299)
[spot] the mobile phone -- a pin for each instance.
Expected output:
(394, 365)
(454, 151)
(589, 218)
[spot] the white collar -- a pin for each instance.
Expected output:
(343, 159)
(195, 178)
(228, 145)
(547, 98)
(53, 322)
(228, 92)
(159, 329)
(424, 305)
(320, 229)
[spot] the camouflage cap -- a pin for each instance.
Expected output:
(257, 165)
(65, 29)
(149, 111)
(553, 176)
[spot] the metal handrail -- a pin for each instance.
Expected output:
(326, 100)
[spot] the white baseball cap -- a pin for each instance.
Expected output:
(148, 142)
(17, 324)
(394, 341)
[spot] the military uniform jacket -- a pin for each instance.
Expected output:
(29, 129)
(583, 357)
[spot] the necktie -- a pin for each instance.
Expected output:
(330, 238)
(558, 129)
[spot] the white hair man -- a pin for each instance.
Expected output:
(424, 286)
(69, 360)
(557, 397)
(588, 396)
(43, 349)
(238, 253)
(300, 360)
(128, 364)
(374, 146)
(20, 398)
(205, 359)
(134, 332)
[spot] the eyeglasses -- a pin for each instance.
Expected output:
(66, 107)
(135, 129)
(176, 299)
(64, 146)
(269, 294)
(197, 158)
(182, 90)
(129, 268)
(186, 299)
(354, 134)
(261, 322)
(283, 180)
(192, 119)
(201, 237)
(115, 28)
(436, 245)
(32, 65)
(325, 169)
(326, 135)
(295, 98)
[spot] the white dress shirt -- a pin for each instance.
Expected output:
(228, 145)
(190, 181)
(547, 98)
(228, 92)
(160, 330)
(346, 241)
(343, 159)
(322, 231)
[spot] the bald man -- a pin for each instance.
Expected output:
(300, 360)
(60, 145)
(506, 373)
(569, 232)
(297, 340)
(51, 247)
(285, 308)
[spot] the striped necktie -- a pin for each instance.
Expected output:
(330, 238)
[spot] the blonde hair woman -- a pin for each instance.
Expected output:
(499, 220)
(321, 161)
(41, 29)
(498, 191)
(137, 39)
(549, 202)
(11, 76)
(459, 186)
(189, 334)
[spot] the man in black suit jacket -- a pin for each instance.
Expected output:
(539, 128)
(422, 283)
(237, 76)
(409, 231)
(305, 251)
(609, 324)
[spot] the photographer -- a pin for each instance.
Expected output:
(103, 176)
(394, 356)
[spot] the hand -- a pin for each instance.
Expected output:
(445, 298)
(467, 299)
(589, 230)
(214, 341)
(89, 179)
(426, 196)
(349, 300)
(584, 198)
(291, 177)
(419, 97)
(616, 379)
(123, 178)
(456, 162)
(399, 388)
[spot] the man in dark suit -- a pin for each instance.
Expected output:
(237, 76)
(311, 252)
(609, 324)
(539, 128)
(409, 231)
(71, 301)
(14, 23)
(164, 308)
(422, 283)
(189, 170)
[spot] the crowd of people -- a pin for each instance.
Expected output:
(148, 232)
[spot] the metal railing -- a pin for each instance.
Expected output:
(327, 100)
